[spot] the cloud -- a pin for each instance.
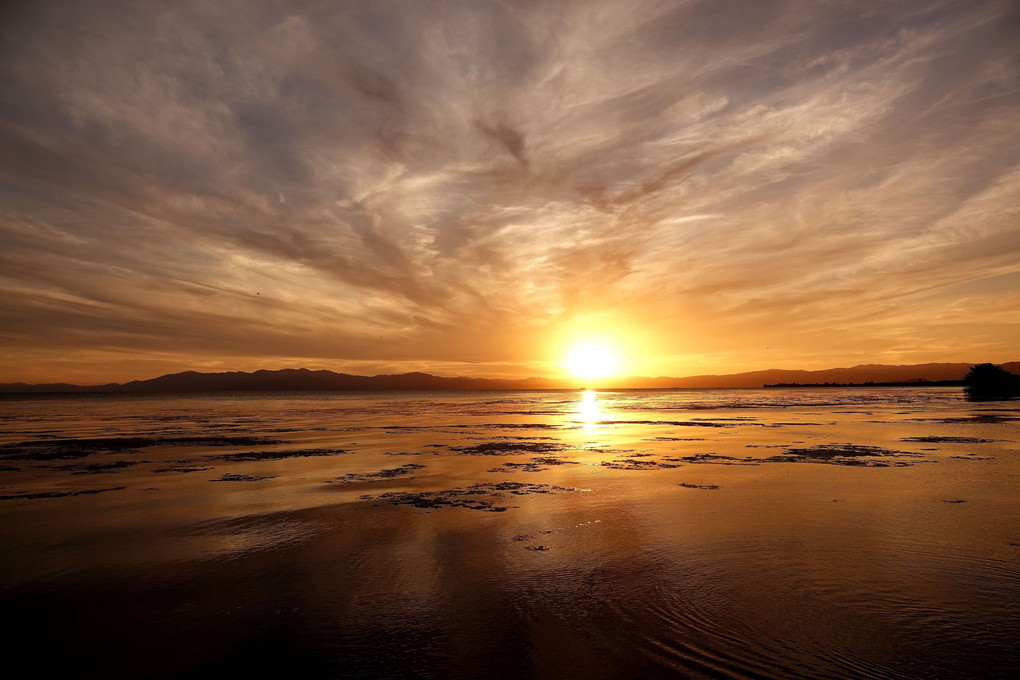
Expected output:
(414, 183)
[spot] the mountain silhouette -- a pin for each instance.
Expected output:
(303, 379)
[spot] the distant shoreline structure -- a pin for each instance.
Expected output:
(306, 380)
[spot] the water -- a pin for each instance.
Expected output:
(704, 534)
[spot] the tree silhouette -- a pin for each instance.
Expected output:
(988, 381)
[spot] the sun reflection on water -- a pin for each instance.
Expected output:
(588, 409)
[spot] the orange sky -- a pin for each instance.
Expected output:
(471, 188)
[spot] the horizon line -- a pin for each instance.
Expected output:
(607, 382)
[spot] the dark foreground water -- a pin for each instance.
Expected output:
(701, 534)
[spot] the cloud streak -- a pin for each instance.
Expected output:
(388, 186)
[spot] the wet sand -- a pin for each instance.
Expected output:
(703, 534)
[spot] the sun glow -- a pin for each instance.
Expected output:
(591, 360)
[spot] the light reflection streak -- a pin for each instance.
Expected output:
(588, 409)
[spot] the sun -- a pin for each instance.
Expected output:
(591, 360)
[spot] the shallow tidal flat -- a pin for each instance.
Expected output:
(704, 534)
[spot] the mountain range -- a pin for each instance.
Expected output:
(303, 379)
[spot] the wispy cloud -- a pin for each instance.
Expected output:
(408, 184)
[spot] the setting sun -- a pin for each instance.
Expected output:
(591, 360)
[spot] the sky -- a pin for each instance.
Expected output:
(474, 188)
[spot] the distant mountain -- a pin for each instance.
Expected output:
(302, 379)
(853, 375)
(288, 379)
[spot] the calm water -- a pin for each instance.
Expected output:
(701, 534)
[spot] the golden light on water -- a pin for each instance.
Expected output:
(588, 408)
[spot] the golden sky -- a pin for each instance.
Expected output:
(473, 188)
